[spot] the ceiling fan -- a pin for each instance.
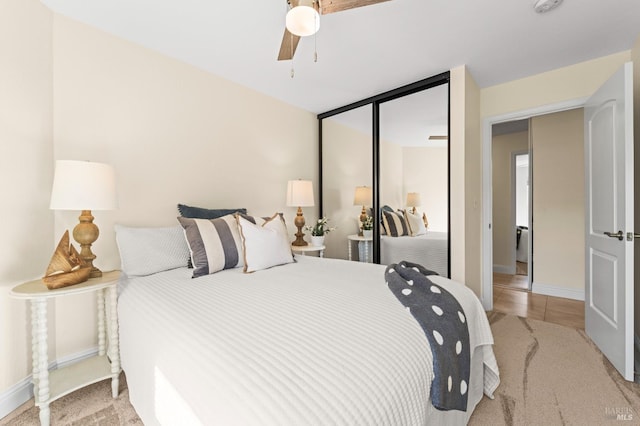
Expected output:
(303, 20)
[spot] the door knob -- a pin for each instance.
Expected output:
(619, 235)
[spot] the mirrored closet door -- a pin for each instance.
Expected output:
(414, 186)
(347, 180)
(389, 153)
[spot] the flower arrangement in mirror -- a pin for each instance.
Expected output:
(367, 224)
(367, 227)
(320, 228)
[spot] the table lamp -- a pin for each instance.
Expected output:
(363, 197)
(84, 186)
(299, 194)
(413, 200)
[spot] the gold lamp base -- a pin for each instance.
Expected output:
(299, 223)
(86, 233)
(363, 217)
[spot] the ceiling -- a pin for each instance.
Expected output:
(510, 127)
(406, 121)
(369, 50)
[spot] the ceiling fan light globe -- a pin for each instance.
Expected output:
(303, 21)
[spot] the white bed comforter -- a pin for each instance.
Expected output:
(430, 250)
(316, 342)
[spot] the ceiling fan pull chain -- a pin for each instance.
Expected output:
(291, 48)
(315, 40)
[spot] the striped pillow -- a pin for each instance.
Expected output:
(214, 244)
(394, 224)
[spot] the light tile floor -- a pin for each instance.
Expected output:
(510, 297)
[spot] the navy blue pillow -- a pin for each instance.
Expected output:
(200, 213)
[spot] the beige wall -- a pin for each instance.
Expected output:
(347, 160)
(457, 119)
(425, 170)
(557, 142)
(473, 186)
(466, 179)
(573, 82)
(173, 133)
(25, 171)
(391, 175)
(503, 147)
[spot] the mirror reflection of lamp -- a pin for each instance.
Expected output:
(413, 200)
(300, 194)
(84, 186)
(363, 197)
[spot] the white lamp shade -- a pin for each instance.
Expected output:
(363, 196)
(413, 199)
(83, 185)
(303, 20)
(300, 193)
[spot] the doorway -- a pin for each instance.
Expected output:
(522, 189)
(538, 176)
(615, 97)
(511, 201)
(487, 192)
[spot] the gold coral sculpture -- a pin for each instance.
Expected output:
(66, 267)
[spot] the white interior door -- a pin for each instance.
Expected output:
(609, 219)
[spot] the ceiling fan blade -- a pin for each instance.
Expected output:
(331, 6)
(288, 46)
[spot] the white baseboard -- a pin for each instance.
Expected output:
(504, 269)
(22, 391)
(15, 396)
(553, 290)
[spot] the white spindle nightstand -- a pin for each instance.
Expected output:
(303, 250)
(47, 387)
(360, 239)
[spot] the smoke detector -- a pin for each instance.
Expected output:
(544, 6)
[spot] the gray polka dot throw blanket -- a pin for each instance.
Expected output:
(445, 325)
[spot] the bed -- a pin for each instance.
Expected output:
(315, 342)
(430, 250)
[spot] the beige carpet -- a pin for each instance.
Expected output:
(550, 375)
(92, 405)
(554, 375)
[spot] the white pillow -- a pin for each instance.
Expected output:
(145, 251)
(264, 246)
(416, 224)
